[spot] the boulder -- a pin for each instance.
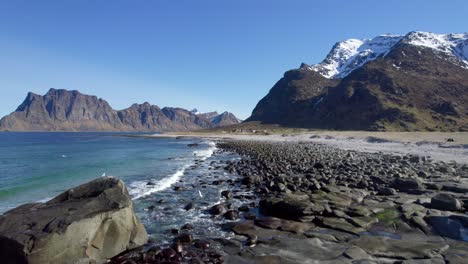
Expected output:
(243, 228)
(189, 206)
(407, 184)
(184, 238)
(268, 222)
(218, 209)
(203, 244)
(248, 180)
(356, 253)
(399, 249)
(288, 206)
(295, 227)
(86, 224)
(387, 191)
(455, 187)
(227, 194)
(341, 225)
(446, 202)
(231, 215)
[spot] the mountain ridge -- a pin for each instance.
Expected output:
(70, 110)
(405, 88)
(348, 55)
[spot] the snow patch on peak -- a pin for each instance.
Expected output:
(195, 111)
(452, 44)
(440, 42)
(351, 54)
(348, 55)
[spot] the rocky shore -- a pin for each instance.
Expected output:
(86, 224)
(321, 204)
(311, 203)
(318, 204)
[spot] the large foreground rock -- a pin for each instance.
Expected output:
(86, 224)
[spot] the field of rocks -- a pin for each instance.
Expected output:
(321, 204)
(315, 203)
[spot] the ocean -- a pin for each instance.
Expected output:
(35, 167)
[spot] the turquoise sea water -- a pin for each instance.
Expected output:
(38, 166)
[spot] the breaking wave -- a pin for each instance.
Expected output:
(139, 189)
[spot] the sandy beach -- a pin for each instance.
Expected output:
(440, 146)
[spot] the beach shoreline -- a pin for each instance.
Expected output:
(275, 135)
(316, 197)
(301, 198)
(441, 146)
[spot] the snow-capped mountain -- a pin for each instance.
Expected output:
(348, 55)
(413, 82)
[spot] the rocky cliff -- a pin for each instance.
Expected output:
(87, 224)
(63, 110)
(400, 83)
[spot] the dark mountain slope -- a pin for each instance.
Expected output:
(409, 87)
(224, 119)
(412, 88)
(62, 110)
(292, 97)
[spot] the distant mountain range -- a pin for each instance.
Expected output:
(412, 82)
(417, 81)
(63, 110)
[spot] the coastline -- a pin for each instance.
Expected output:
(278, 135)
(441, 146)
(318, 203)
(290, 199)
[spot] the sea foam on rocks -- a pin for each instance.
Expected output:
(86, 224)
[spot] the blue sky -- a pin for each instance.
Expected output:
(209, 54)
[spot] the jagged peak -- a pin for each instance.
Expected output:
(137, 106)
(31, 94)
(53, 91)
(195, 111)
(304, 66)
(456, 44)
(348, 55)
(63, 110)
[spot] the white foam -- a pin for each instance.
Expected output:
(206, 153)
(140, 189)
(45, 200)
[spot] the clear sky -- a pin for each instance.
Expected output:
(209, 54)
